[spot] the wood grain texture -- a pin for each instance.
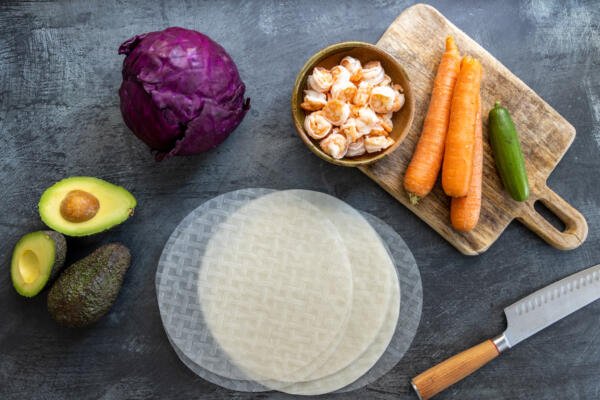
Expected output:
(416, 38)
(439, 377)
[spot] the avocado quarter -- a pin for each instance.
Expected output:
(87, 289)
(84, 206)
(36, 260)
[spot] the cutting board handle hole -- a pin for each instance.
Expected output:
(549, 216)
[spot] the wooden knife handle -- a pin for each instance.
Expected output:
(448, 372)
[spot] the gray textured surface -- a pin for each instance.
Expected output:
(59, 73)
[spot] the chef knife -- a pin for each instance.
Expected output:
(524, 318)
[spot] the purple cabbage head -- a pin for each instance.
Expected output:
(181, 92)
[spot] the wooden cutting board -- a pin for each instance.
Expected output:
(416, 39)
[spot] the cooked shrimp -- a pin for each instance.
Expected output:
(316, 125)
(353, 66)
(343, 90)
(368, 116)
(313, 100)
(350, 129)
(398, 101)
(385, 120)
(357, 148)
(362, 93)
(362, 128)
(382, 99)
(354, 109)
(336, 145)
(374, 144)
(320, 80)
(387, 81)
(340, 74)
(336, 111)
(373, 73)
(378, 130)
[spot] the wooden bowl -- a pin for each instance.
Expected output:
(365, 52)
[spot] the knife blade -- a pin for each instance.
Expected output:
(541, 309)
(524, 319)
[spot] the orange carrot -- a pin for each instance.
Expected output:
(457, 167)
(426, 162)
(464, 211)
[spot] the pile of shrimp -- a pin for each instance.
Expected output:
(350, 108)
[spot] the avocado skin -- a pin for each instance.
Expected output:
(86, 290)
(60, 253)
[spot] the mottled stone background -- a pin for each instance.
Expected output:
(59, 116)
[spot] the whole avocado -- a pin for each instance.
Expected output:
(86, 290)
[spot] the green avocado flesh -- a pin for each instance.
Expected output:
(113, 205)
(86, 290)
(36, 260)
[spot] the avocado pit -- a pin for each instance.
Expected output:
(79, 206)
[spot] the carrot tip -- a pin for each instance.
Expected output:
(451, 44)
(414, 199)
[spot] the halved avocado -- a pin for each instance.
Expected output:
(83, 206)
(37, 259)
